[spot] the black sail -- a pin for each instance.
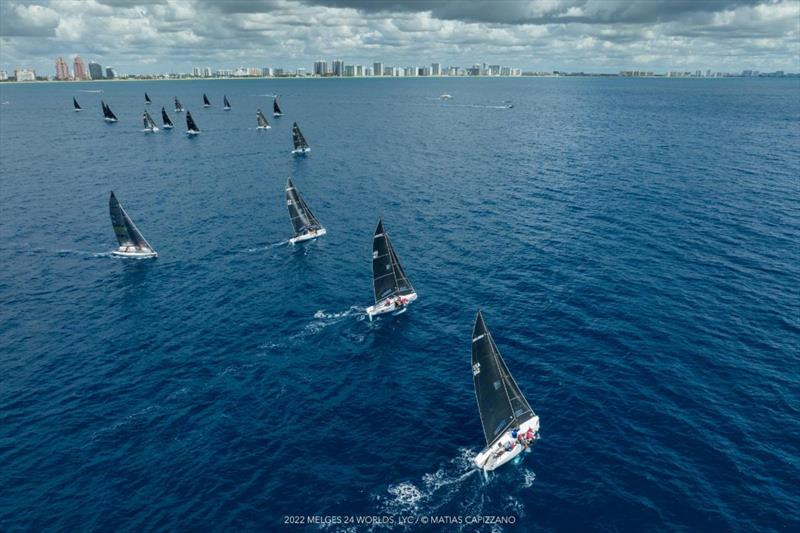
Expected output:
(178, 105)
(262, 120)
(126, 231)
(303, 220)
(146, 99)
(190, 125)
(75, 104)
(165, 118)
(388, 277)
(297, 138)
(206, 103)
(226, 102)
(107, 113)
(149, 123)
(500, 402)
(276, 108)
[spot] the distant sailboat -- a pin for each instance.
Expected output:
(503, 409)
(276, 110)
(165, 119)
(147, 99)
(191, 127)
(76, 105)
(227, 104)
(178, 106)
(393, 292)
(300, 144)
(262, 121)
(306, 226)
(108, 115)
(206, 103)
(149, 123)
(131, 241)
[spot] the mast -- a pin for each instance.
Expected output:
(388, 277)
(190, 124)
(500, 403)
(262, 120)
(303, 220)
(165, 118)
(298, 139)
(126, 231)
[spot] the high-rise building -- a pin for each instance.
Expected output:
(338, 67)
(377, 68)
(79, 69)
(207, 72)
(95, 70)
(349, 70)
(436, 69)
(62, 71)
(266, 71)
(111, 73)
(196, 72)
(320, 68)
(359, 70)
(25, 74)
(3, 75)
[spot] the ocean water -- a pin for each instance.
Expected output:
(634, 245)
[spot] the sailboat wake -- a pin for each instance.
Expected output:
(268, 246)
(323, 319)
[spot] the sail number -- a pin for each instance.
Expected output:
(476, 369)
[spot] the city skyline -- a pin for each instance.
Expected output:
(160, 36)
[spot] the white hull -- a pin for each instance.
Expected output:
(206, 106)
(192, 132)
(226, 108)
(150, 130)
(78, 110)
(387, 305)
(110, 119)
(489, 459)
(135, 255)
(301, 151)
(167, 127)
(179, 110)
(308, 236)
(263, 127)
(277, 114)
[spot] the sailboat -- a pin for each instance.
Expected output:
(262, 121)
(306, 226)
(178, 106)
(149, 123)
(206, 103)
(300, 144)
(165, 119)
(108, 115)
(147, 100)
(276, 110)
(191, 127)
(226, 103)
(131, 241)
(504, 411)
(393, 291)
(76, 105)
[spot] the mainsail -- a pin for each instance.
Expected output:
(149, 123)
(178, 106)
(165, 118)
(146, 99)
(107, 113)
(262, 120)
(76, 105)
(126, 231)
(388, 277)
(206, 103)
(190, 125)
(500, 402)
(298, 139)
(303, 220)
(276, 110)
(227, 104)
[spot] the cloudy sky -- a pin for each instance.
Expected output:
(140, 36)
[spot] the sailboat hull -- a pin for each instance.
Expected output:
(388, 306)
(489, 459)
(192, 132)
(110, 119)
(263, 127)
(301, 151)
(150, 130)
(168, 126)
(135, 255)
(308, 236)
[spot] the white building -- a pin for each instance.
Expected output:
(3, 75)
(25, 74)
(207, 72)
(320, 68)
(196, 72)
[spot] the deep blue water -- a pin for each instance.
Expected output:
(634, 245)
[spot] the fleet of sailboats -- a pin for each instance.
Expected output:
(504, 411)
(393, 292)
(300, 144)
(306, 225)
(131, 241)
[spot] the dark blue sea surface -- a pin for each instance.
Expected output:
(634, 245)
